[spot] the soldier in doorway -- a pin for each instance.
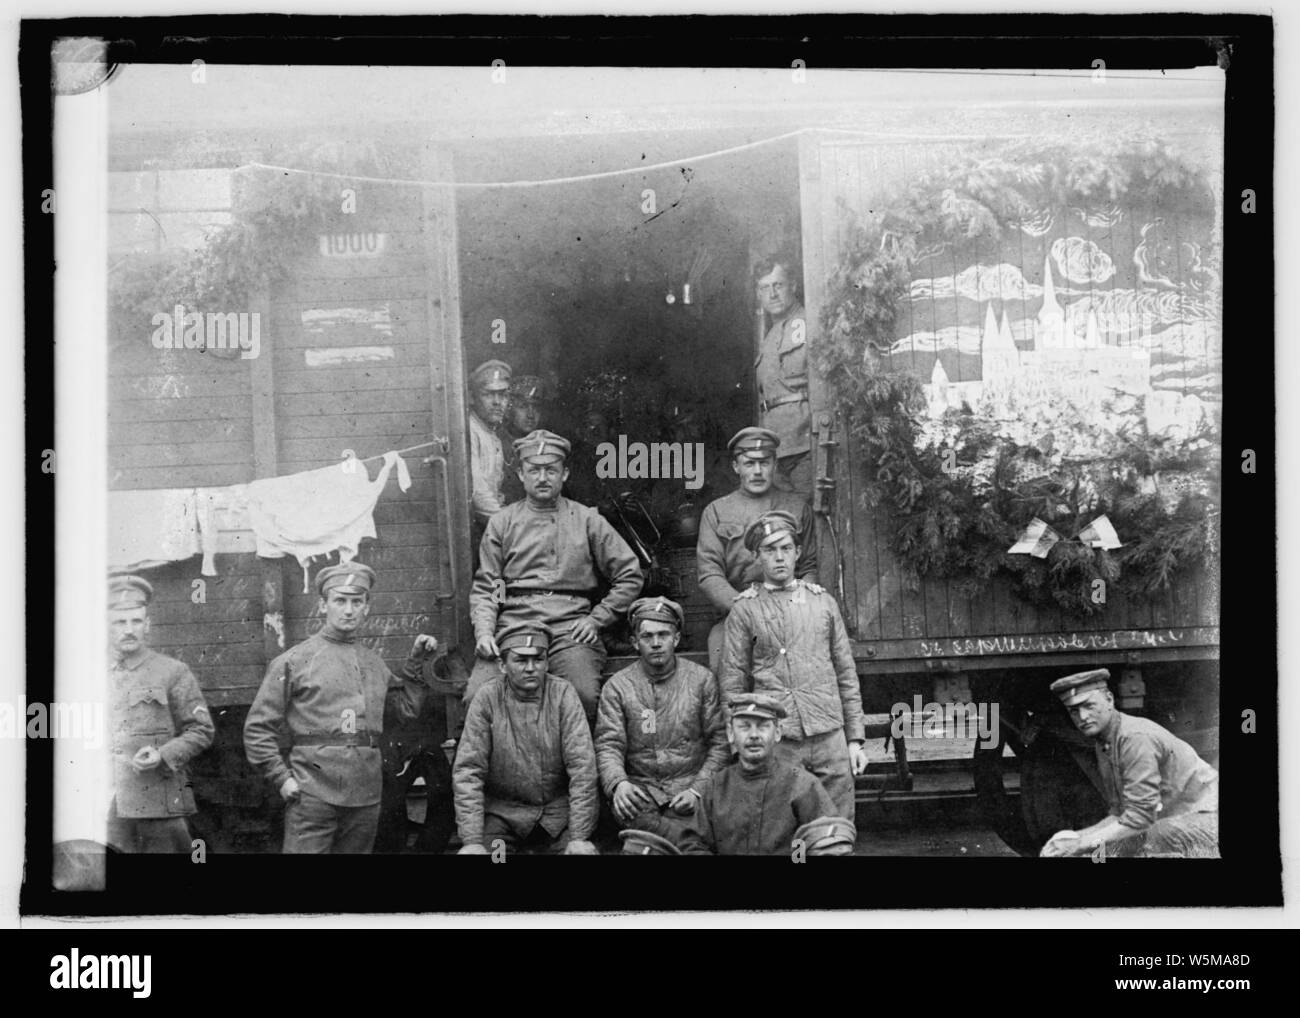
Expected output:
(524, 415)
(781, 370)
(489, 387)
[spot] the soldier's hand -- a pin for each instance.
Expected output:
(1062, 843)
(146, 759)
(473, 848)
(289, 791)
(487, 648)
(585, 630)
(580, 848)
(858, 756)
(629, 800)
(683, 803)
(425, 644)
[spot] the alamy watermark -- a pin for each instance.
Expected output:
(653, 460)
(952, 720)
(211, 330)
(78, 719)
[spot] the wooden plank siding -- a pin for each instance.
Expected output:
(180, 419)
(887, 620)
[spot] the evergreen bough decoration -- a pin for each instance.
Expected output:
(946, 522)
(275, 218)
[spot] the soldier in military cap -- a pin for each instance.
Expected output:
(786, 637)
(781, 370)
(525, 771)
(827, 836)
(160, 722)
(755, 805)
(326, 697)
(1162, 799)
(523, 416)
(489, 391)
(660, 733)
(543, 559)
(724, 565)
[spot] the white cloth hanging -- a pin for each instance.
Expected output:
(320, 511)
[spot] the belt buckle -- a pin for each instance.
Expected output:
(546, 593)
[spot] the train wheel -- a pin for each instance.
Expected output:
(1056, 793)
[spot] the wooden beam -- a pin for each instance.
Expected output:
(834, 573)
(447, 379)
(266, 464)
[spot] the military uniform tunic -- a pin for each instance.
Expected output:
(487, 468)
(755, 813)
(791, 644)
(566, 548)
(781, 370)
(156, 701)
(528, 762)
(545, 565)
(725, 566)
(326, 698)
(1156, 783)
(666, 733)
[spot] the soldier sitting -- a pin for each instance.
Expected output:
(756, 805)
(1162, 798)
(542, 560)
(659, 729)
(525, 771)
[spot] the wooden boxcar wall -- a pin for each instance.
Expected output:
(359, 351)
(179, 419)
(847, 179)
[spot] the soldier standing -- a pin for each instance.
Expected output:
(781, 370)
(725, 566)
(328, 695)
(786, 638)
(542, 560)
(160, 722)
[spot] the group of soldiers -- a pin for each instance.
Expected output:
(755, 754)
(543, 738)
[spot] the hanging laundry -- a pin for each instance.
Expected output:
(223, 522)
(153, 527)
(320, 511)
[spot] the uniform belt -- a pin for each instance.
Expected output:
(367, 740)
(538, 592)
(769, 404)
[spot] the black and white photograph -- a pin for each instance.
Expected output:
(808, 449)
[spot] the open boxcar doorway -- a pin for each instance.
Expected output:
(629, 301)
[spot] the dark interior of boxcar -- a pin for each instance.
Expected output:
(630, 297)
